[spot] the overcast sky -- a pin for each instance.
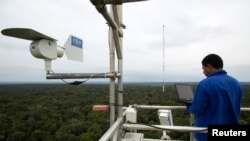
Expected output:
(194, 28)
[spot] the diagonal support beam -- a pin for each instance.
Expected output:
(117, 32)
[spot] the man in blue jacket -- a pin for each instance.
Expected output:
(217, 98)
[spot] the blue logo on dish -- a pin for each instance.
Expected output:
(76, 42)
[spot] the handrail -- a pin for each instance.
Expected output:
(107, 136)
(157, 107)
(164, 127)
(111, 130)
(172, 107)
(245, 109)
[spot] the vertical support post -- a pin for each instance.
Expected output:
(117, 14)
(120, 63)
(191, 124)
(112, 69)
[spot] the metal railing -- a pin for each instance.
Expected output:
(119, 124)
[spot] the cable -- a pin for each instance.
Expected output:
(116, 105)
(80, 82)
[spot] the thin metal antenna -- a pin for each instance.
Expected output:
(163, 66)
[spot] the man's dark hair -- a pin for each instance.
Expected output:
(214, 60)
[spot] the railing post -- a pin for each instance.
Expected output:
(191, 124)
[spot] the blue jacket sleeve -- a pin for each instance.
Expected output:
(200, 102)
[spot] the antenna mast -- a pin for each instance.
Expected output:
(163, 66)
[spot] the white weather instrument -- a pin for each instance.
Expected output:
(45, 47)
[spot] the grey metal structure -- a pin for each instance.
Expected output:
(114, 19)
(116, 131)
(118, 124)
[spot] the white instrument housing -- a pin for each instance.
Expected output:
(45, 49)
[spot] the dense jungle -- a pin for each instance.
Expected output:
(61, 112)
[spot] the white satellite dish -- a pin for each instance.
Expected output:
(45, 47)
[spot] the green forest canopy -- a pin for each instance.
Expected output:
(49, 112)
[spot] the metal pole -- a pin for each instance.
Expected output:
(158, 107)
(118, 18)
(191, 138)
(112, 69)
(80, 75)
(165, 127)
(116, 30)
(108, 135)
(117, 11)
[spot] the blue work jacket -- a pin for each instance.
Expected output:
(217, 101)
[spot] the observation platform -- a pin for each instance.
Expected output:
(123, 130)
